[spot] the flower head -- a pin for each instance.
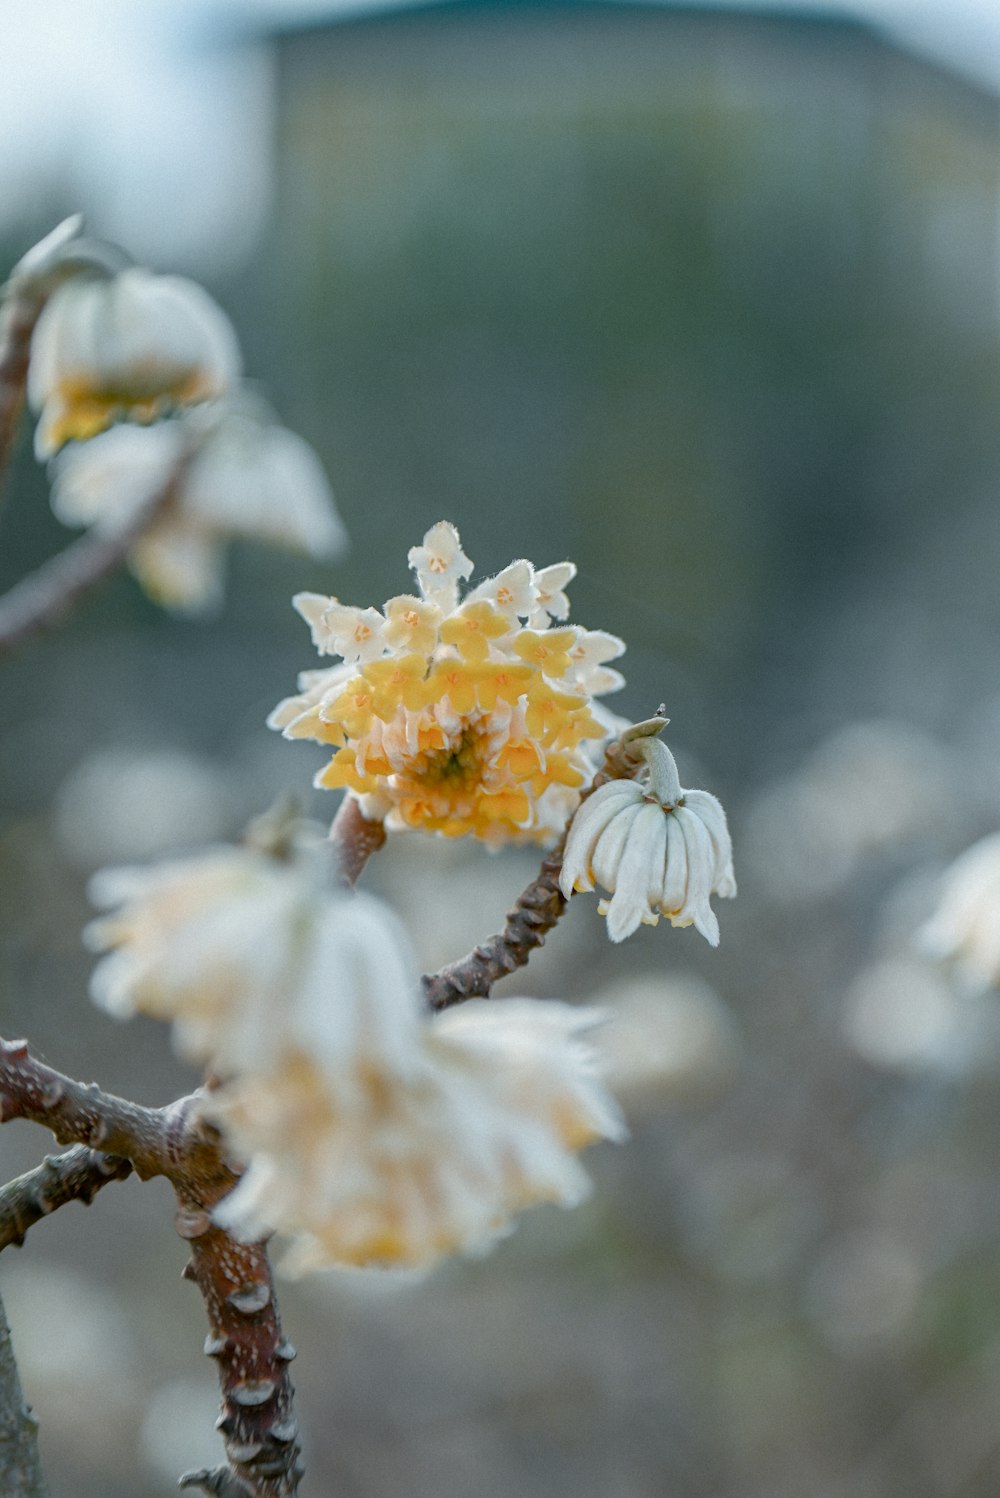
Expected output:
(965, 928)
(129, 346)
(656, 848)
(457, 718)
(372, 1131)
(238, 474)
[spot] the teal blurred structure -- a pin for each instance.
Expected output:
(704, 298)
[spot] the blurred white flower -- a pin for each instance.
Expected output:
(965, 928)
(373, 1132)
(656, 848)
(864, 792)
(401, 1165)
(131, 803)
(668, 1039)
(207, 942)
(129, 346)
(902, 1016)
(242, 476)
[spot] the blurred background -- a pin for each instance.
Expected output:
(706, 299)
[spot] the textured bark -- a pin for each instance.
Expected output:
(20, 1466)
(245, 1336)
(537, 910)
(80, 1113)
(246, 1340)
(77, 1175)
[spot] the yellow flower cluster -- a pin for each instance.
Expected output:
(455, 715)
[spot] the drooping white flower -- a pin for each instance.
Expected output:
(239, 475)
(402, 1170)
(130, 346)
(965, 928)
(206, 943)
(656, 848)
(372, 1131)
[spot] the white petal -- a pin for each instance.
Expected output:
(673, 895)
(611, 845)
(640, 867)
(587, 826)
(701, 865)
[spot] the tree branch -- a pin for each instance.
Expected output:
(537, 909)
(76, 1176)
(47, 595)
(79, 1113)
(20, 1465)
(535, 913)
(246, 1340)
(245, 1334)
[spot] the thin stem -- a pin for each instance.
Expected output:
(78, 1175)
(355, 838)
(47, 595)
(17, 323)
(20, 1465)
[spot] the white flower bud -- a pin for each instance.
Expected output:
(656, 848)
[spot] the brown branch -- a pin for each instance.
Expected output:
(20, 1465)
(246, 1340)
(536, 911)
(76, 1176)
(354, 838)
(245, 1334)
(47, 595)
(80, 1113)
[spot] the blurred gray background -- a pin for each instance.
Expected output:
(705, 299)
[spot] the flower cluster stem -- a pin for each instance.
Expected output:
(354, 838)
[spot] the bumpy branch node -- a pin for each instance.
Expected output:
(245, 1335)
(78, 1175)
(220, 1481)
